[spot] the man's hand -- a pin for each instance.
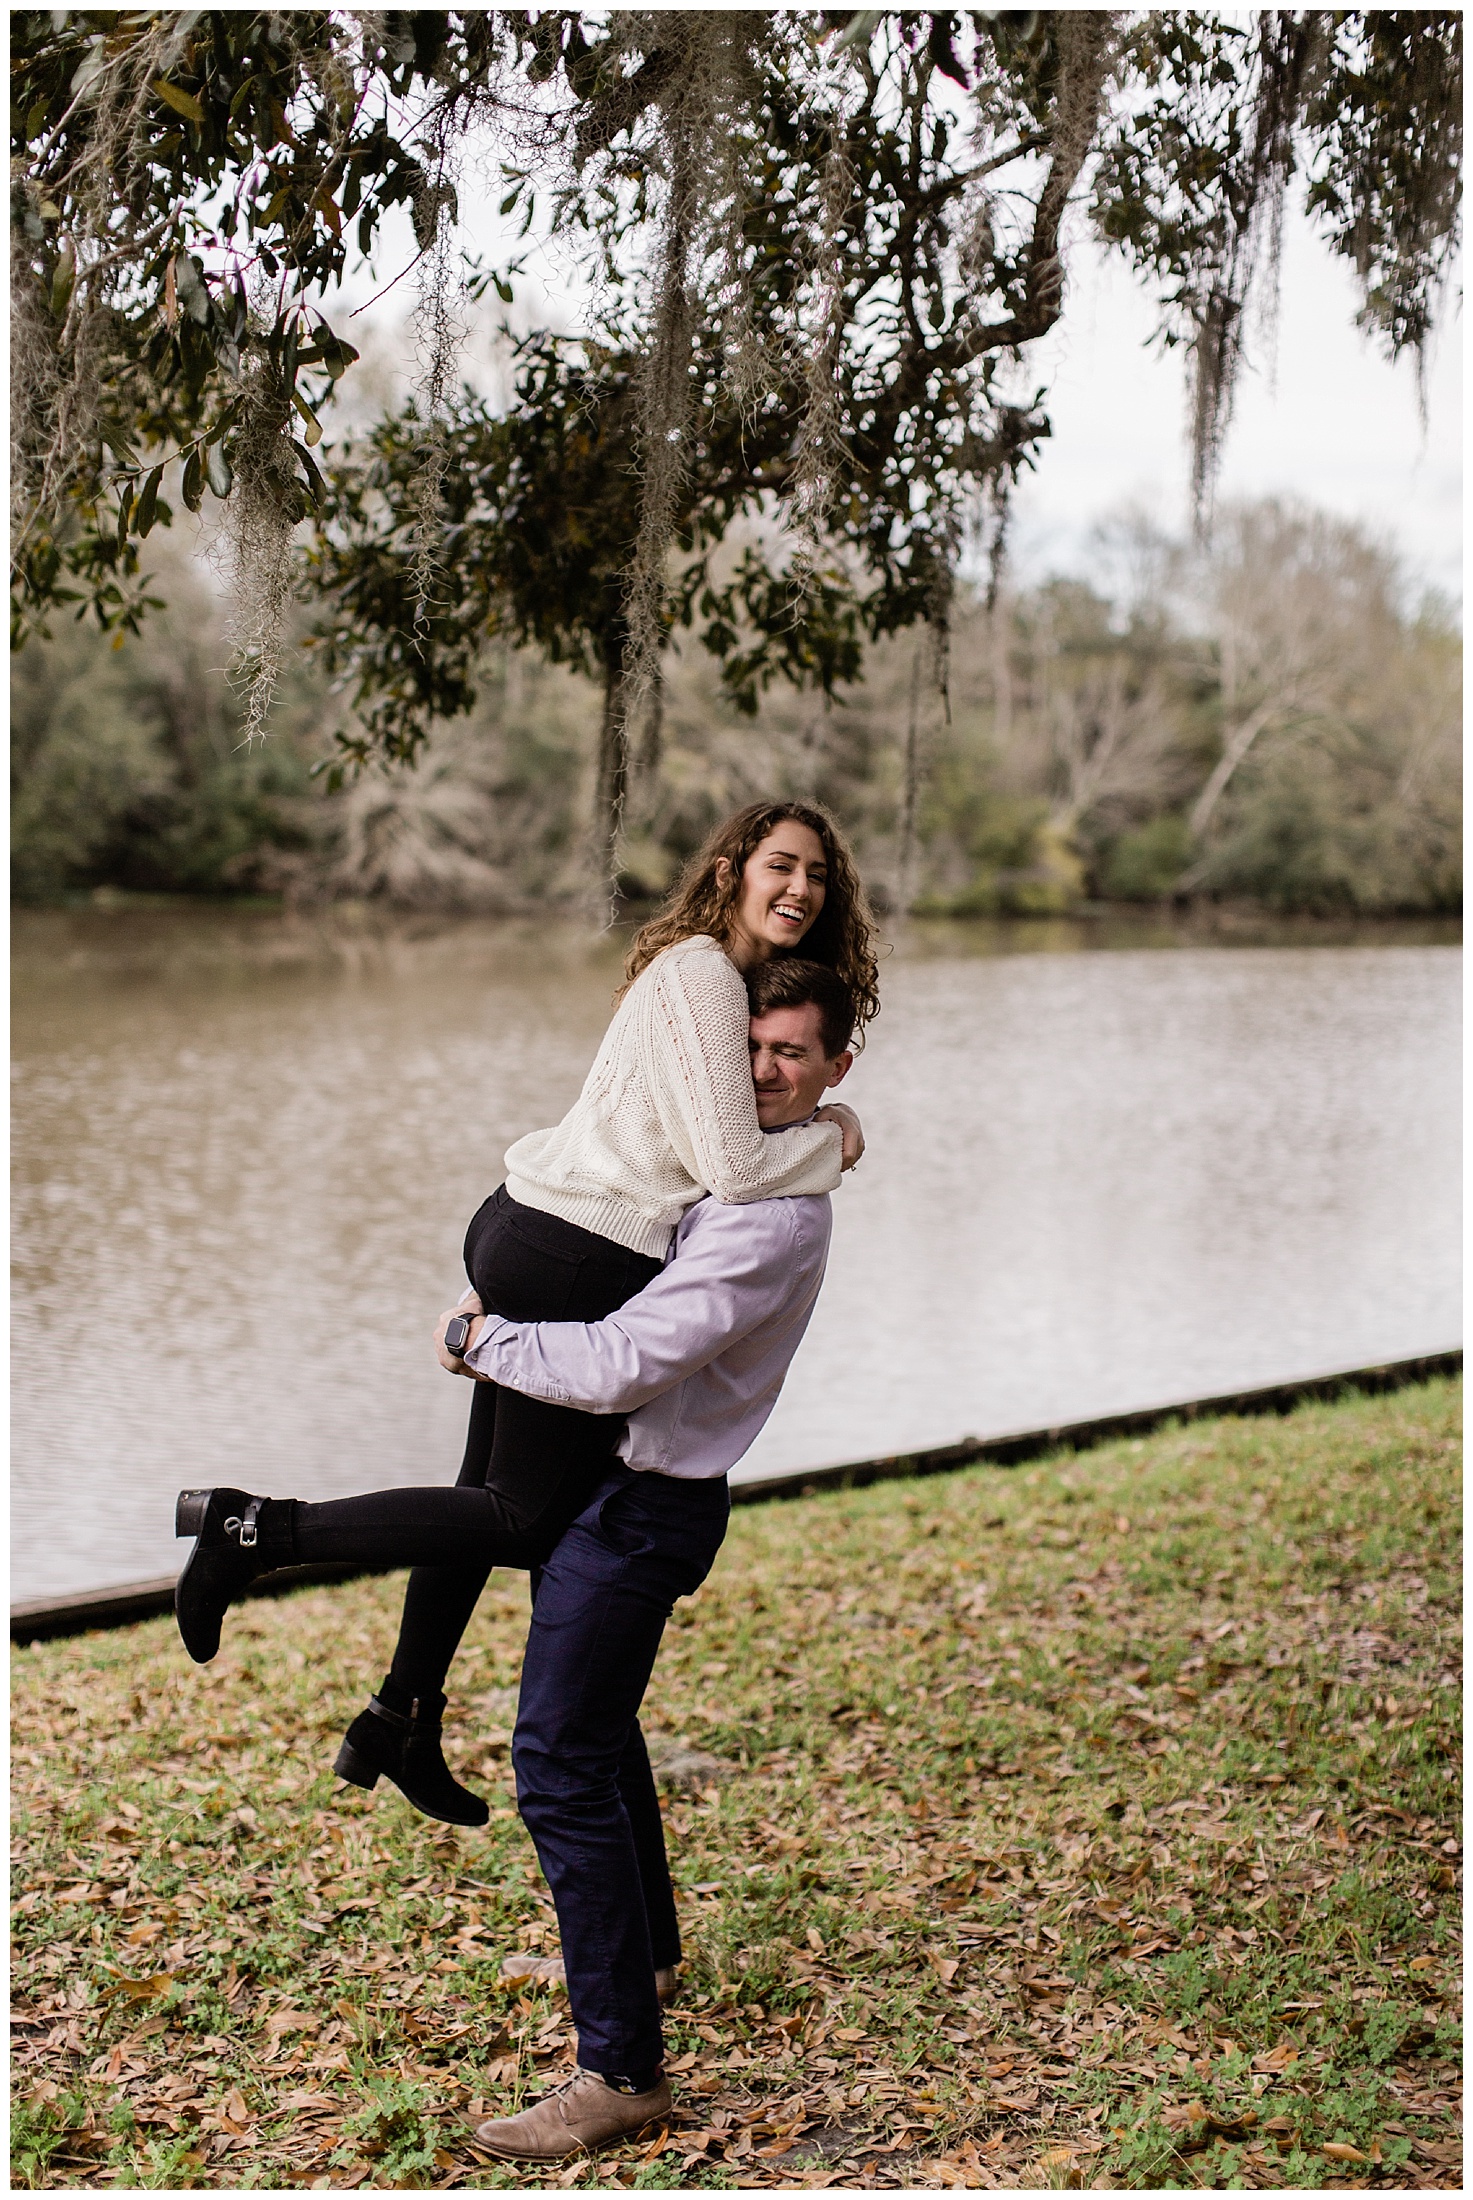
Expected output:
(470, 1304)
(848, 1122)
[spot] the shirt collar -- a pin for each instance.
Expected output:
(769, 1130)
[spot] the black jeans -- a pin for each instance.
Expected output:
(587, 1797)
(528, 1467)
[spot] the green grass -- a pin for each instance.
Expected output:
(1088, 1823)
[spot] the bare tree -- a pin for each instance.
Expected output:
(1112, 735)
(1302, 610)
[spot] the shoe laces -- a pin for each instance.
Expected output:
(561, 2093)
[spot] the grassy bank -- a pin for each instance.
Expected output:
(1091, 1823)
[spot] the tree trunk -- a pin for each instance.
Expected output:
(1001, 620)
(910, 792)
(652, 733)
(612, 785)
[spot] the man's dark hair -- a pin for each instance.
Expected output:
(788, 983)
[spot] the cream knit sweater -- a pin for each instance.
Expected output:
(667, 1113)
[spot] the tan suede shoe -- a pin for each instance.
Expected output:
(581, 2114)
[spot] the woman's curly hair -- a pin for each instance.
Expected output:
(843, 934)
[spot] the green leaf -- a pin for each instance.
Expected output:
(183, 103)
(118, 444)
(217, 470)
(337, 356)
(315, 481)
(859, 30)
(191, 288)
(148, 503)
(329, 352)
(194, 480)
(92, 66)
(64, 279)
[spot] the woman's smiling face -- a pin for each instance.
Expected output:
(784, 882)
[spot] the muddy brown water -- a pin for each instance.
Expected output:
(1107, 1168)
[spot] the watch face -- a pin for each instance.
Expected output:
(456, 1333)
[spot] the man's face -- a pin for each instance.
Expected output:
(790, 1071)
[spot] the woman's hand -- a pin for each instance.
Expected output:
(470, 1304)
(848, 1122)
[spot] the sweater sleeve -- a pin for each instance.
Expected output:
(701, 1080)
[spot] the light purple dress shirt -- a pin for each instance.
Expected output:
(697, 1358)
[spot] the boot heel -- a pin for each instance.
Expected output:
(350, 1764)
(190, 1510)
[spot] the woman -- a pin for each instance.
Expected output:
(581, 1224)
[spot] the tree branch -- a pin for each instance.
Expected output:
(1081, 84)
(1234, 749)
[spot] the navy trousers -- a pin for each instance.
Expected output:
(587, 1796)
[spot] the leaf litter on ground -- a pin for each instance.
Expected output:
(1092, 1823)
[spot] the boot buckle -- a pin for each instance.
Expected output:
(244, 1530)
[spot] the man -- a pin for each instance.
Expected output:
(696, 1360)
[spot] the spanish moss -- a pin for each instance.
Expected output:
(439, 329)
(263, 513)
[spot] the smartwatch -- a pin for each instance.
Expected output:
(457, 1330)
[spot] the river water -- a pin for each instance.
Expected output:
(246, 1147)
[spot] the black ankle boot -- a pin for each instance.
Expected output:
(405, 1748)
(233, 1544)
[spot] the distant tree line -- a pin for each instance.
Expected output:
(1270, 719)
(820, 249)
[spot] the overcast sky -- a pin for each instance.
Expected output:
(1321, 415)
